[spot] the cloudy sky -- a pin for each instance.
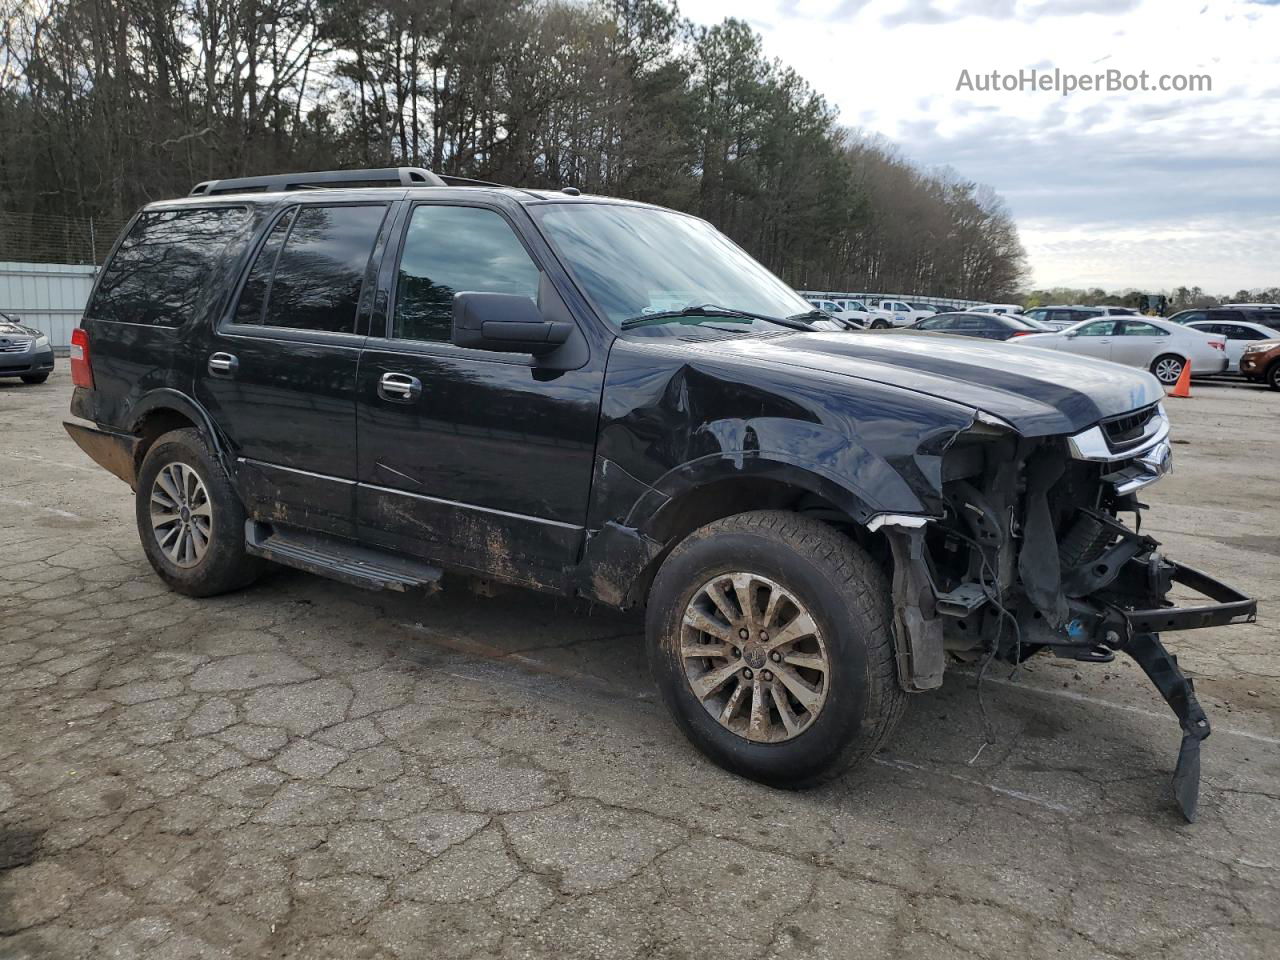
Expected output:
(1126, 189)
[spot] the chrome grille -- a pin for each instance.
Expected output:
(1130, 429)
(15, 344)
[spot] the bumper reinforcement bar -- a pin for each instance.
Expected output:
(1232, 606)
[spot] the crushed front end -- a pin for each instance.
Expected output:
(1032, 554)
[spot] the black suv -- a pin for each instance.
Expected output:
(611, 400)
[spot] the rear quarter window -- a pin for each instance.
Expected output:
(162, 266)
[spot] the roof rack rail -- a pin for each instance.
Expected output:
(451, 181)
(377, 177)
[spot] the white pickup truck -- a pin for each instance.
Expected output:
(895, 313)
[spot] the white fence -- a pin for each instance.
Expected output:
(47, 296)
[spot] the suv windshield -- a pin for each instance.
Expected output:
(636, 261)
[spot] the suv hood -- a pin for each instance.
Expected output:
(1040, 392)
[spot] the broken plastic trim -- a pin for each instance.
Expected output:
(905, 520)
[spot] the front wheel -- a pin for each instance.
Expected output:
(879, 324)
(1273, 375)
(1167, 369)
(34, 378)
(190, 520)
(770, 636)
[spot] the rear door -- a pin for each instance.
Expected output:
(1137, 343)
(468, 457)
(279, 374)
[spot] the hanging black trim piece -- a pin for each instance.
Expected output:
(1162, 668)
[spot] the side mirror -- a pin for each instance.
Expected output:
(1071, 334)
(505, 322)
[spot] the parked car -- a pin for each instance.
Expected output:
(989, 326)
(1258, 314)
(926, 307)
(998, 308)
(610, 400)
(1113, 311)
(894, 313)
(1239, 334)
(24, 351)
(841, 310)
(1156, 345)
(1060, 317)
(1260, 362)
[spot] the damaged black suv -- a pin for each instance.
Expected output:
(399, 374)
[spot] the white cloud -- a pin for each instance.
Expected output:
(1145, 189)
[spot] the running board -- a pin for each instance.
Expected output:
(338, 559)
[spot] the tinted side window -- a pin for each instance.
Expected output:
(1136, 328)
(253, 298)
(320, 268)
(1099, 328)
(160, 269)
(452, 249)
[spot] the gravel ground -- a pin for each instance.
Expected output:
(305, 770)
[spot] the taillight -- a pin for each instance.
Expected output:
(1020, 333)
(1218, 344)
(81, 369)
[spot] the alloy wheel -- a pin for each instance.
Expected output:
(1168, 370)
(754, 657)
(181, 514)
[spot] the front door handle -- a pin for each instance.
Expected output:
(399, 387)
(223, 364)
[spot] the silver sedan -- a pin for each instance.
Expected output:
(1159, 346)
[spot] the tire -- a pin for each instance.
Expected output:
(34, 378)
(217, 516)
(1273, 375)
(1167, 368)
(879, 324)
(848, 599)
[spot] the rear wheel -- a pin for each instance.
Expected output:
(190, 520)
(770, 637)
(34, 378)
(1167, 368)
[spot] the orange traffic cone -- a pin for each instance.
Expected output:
(1183, 387)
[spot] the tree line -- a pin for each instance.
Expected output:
(105, 106)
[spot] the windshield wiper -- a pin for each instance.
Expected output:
(821, 315)
(710, 310)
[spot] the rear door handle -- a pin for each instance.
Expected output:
(399, 387)
(223, 364)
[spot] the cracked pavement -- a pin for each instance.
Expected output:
(306, 770)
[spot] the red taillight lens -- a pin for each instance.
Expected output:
(81, 370)
(1020, 333)
(1218, 344)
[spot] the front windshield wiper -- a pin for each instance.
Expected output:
(710, 310)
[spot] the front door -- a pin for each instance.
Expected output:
(279, 374)
(468, 457)
(1093, 339)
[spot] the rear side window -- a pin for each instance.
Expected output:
(161, 268)
(310, 271)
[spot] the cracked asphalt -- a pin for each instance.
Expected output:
(304, 770)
